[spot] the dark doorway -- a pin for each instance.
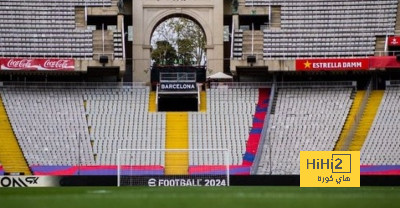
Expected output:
(98, 74)
(260, 22)
(253, 74)
(178, 103)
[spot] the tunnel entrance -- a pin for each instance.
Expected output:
(178, 103)
(178, 92)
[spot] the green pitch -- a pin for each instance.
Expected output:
(199, 197)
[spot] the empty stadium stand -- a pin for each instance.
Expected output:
(11, 154)
(226, 125)
(50, 125)
(381, 148)
(219, 127)
(303, 119)
(106, 119)
(318, 28)
(59, 129)
(45, 29)
(119, 118)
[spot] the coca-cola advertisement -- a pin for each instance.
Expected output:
(17, 64)
(27, 64)
(56, 64)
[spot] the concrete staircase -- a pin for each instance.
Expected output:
(276, 17)
(11, 156)
(177, 163)
(98, 44)
(106, 10)
(258, 43)
(380, 46)
(367, 119)
(80, 22)
(350, 120)
(397, 27)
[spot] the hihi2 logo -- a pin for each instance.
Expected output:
(329, 169)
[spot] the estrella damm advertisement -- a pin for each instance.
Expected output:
(329, 169)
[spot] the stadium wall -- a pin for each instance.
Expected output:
(254, 180)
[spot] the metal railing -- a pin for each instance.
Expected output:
(259, 56)
(123, 38)
(178, 77)
(327, 55)
(357, 119)
(393, 83)
(233, 85)
(340, 54)
(30, 56)
(73, 85)
(333, 84)
(232, 37)
(264, 137)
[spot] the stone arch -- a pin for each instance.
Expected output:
(186, 14)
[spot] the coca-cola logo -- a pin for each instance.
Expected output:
(56, 64)
(36, 64)
(21, 63)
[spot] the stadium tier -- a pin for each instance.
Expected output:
(79, 130)
(327, 28)
(44, 29)
(67, 127)
(303, 120)
(382, 145)
(118, 119)
(235, 126)
(49, 125)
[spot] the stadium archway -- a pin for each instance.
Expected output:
(148, 14)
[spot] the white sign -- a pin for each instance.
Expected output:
(157, 182)
(130, 33)
(29, 181)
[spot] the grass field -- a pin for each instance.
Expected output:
(199, 197)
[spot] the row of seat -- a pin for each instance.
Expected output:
(303, 120)
(54, 125)
(382, 144)
(119, 119)
(297, 3)
(226, 125)
(41, 28)
(327, 19)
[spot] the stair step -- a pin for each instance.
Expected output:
(366, 120)
(177, 138)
